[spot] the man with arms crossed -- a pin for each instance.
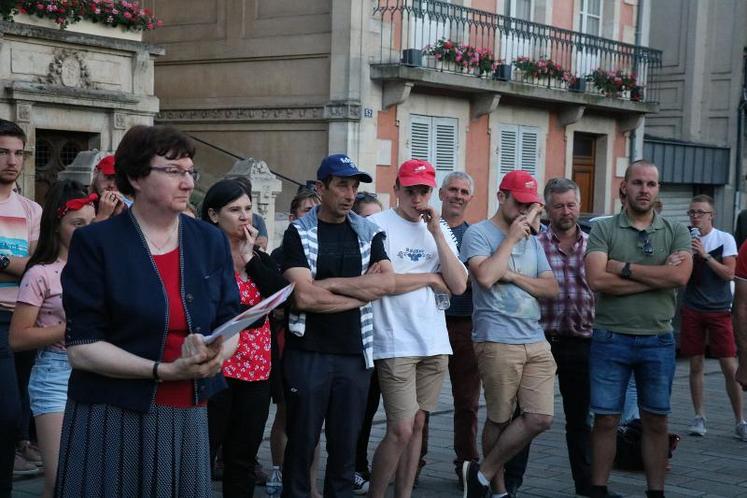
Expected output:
(634, 261)
(411, 342)
(509, 273)
(707, 308)
(328, 353)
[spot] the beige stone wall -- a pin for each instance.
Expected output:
(73, 82)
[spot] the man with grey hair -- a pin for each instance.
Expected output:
(567, 321)
(456, 192)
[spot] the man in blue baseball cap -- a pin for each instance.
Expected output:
(328, 356)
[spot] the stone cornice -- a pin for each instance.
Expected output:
(332, 111)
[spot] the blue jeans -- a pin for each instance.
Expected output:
(10, 408)
(614, 357)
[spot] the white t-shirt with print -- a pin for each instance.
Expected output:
(410, 324)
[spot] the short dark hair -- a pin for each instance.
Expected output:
(640, 162)
(245, 183)
(10, 129)
(220, 194)
(141, 144)
(703, 198)
(301, 196)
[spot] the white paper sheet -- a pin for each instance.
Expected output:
(243, 320)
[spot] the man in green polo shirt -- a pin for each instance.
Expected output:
(634, 261)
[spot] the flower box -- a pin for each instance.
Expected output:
(502, 72)
(412, 57)
(83, 27)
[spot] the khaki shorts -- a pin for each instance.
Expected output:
(511, 372)
(411, 383)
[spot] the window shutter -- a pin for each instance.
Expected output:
(420, 137)
(446, 145)
(528, 138)
(508, 150)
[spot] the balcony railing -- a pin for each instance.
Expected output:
(441, 36)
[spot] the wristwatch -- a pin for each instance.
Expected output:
(4, 262)
(625, 272)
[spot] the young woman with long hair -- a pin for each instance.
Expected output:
(39, 321)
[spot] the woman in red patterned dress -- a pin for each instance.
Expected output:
(237, 415)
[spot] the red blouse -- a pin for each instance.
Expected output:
(179, 393)
(252, 360)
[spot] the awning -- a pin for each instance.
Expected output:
(687, 162)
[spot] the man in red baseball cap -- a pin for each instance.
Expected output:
(103, 183)
(510, 272)
(411, 342)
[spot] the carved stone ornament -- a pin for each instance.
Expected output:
(23, 113)
(69, 69)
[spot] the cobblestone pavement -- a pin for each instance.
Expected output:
(713, 466)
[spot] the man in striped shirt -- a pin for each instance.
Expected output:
(567, 321)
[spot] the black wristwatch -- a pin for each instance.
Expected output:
(625, 272)
(4, 262)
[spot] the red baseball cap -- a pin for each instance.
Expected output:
(106, 165)
(416, 172)
(522, 186)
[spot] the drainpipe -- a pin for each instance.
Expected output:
(740, 143)
(632, 147)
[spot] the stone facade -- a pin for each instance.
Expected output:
(702, 77)
(72, 91)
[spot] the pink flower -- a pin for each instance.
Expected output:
(127, 15)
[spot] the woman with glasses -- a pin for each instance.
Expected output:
(140, 292)
(238, 415)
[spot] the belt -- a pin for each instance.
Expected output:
(557, 338)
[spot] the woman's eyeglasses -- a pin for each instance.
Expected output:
(644, 240)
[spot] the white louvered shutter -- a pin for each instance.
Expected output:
(508, 150)
(445, 148)
(528, 147)
(420, 137)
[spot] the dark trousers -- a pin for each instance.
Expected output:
(465, 387)
(236, 421)
(572, 358)
(24, 363)
(10, 408)
(372, 405)
(321, 388)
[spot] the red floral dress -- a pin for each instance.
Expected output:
(252, 360)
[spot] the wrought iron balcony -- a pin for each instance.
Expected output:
(438, 36)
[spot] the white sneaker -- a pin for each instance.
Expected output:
(697, 427)
(740, 431)
(360, 484)
(274, 485)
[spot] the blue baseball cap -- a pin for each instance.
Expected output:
(340, 165)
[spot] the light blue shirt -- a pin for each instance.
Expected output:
(505, 312)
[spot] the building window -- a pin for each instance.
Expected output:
(591, 17)
(519, 9)
(434, 139)
(518, 149)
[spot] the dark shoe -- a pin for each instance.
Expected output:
(472, 486)
(260, 476)
(458, 471)
(585, 492)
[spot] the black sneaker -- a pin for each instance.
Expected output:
(585, 492)
(472, 486)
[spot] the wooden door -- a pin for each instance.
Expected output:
(583, 173)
